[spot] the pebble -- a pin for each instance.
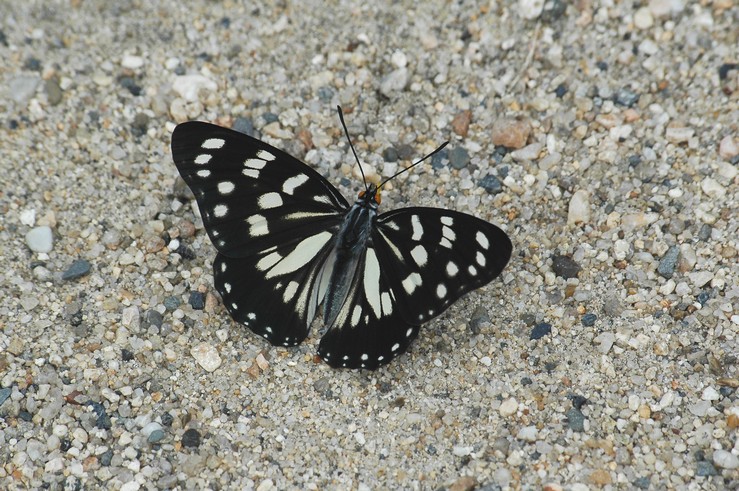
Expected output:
(530, 9)
(54, 93)
(710, 394)
(668, 263)
(244, 125)
(575, 420)
(679, 134)
(528, 152)
(713, 188)
(77, 269)
(725, 460)
(588, 320)
(132, 62)
(626, 97)
(703, 468)
(40, 239)
(508, 407)
(189, 86)
(394, 82)
(643, 18)
(206, 356)
(528, 434)
(22, 88)
(565, 267)
(459, 158)
(461, 123)
(579, 209)
(191, 438)
(197, 300)
(728, 148)
(491, 184)
(540, 330)
(5, 394)
(510, 133)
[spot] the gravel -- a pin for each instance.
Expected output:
(601, 136)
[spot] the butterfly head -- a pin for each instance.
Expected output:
(371, 196)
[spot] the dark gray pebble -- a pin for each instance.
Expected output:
(152, 318)
(126, 355)
(191, 438)
(78, 269)
(53, 91)
(244, 125)
(480, 319)
(325, 94)
(540, 330)
(588, 320)
(626, 97)
(390, 154)
(4, 394)
(155, 436)
(704, 468)
(106, 457)
(491, 184)
(172, 303)
(668, 262)
(575, 420)
(459, 158)
(270, 118)
(140, 123)
(197, 300)
(565, 267)
(405, 151)
(642, 482)
(167, 419)
(438, 159)
(705, 232)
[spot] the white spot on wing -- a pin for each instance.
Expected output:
(213, 143)
(417, 228)
(441, 290)
(395, 250)
(223, 267)
(290, 290)
(303, 253)
(372, 281)
(451, 269)
(409, 332)
(387, 303)
(480, 258)
(257, 164)
(225, 187)
(447, 220)
(482, 240)
(251, 173)
(203, 173)
(251, 315)
(411, 282)
(445, 243)
(265, 155)
(420, 255)
(395, 347)
(322, 198)
(356, 314)
(227, 287)
(258, 225)
(392, 225)
(270, 200)
(268, 261)
(203, 159)
(365, 356)
(306, 214)
(448, 233)
(472, 270)
(220, 211)
(289, 186)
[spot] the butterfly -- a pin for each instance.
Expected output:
(288, 243)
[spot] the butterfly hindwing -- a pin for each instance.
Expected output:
(251, 195)
(431, 257)
(369, 330)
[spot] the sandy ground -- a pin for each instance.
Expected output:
(602, 136)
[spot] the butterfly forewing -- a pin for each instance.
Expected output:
(251, 195)
(431, 257)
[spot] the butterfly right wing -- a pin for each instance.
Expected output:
(272, 219)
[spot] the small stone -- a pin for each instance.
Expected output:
(703, 468)
(22, 88)
(5, 394)
(461, 123)
(152, 318)
(491, 184)
(601, 477)
(579, 209)
(16, 346)
(528, 152)
(480, 320)
(700, 278)
(390, 154)
(565, 267)
(643, 18)
(713, 188)
(197, 300)
(728, 148)
(527, 433)
(262, 362)
(151, 428)
(40, 239)
(510, 133)
(189, 86)
(679, 134)
(132, 62)
(53, 91)
(710, 394)
(78, 269)
(266, 485)
(668, 263)
(459, 158)
(588, 320)
(540, 330)
(605, 340)
(575, 420)
(394, 81)
(508, 407)
(530, 9)
(626, 97)
(206, 356)
(725, 460)
(191, 438)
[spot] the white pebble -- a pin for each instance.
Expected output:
(679, 134)
(399, 59)
(206, 356)
(150, 428)
(712, 188)
(530, 9)
(40, 239)
(725, 460)
(28, 217)
(508, 407)
(132, 62)
(485, 360)
(643, 18)
(188, 86)
(527, 433)
(394, 81)
(710, 394)
(579, 210)
(668, 287)
(359, 437)
(700, 278)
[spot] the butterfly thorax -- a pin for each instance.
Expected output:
(354, 235)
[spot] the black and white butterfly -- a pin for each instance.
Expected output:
(288, 242)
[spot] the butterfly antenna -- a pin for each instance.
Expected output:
(346, 131)
(441, 147)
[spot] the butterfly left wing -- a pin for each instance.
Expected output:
(431, 257)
